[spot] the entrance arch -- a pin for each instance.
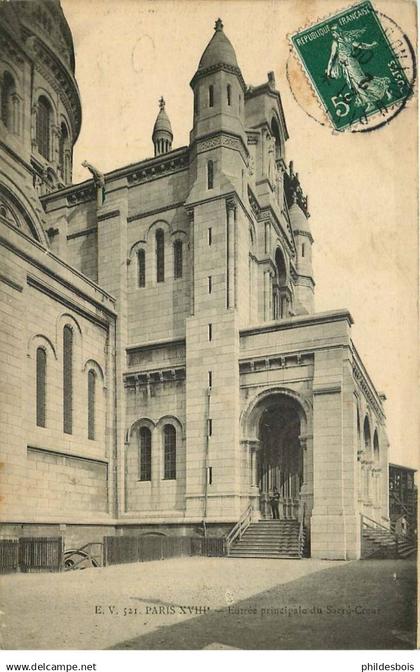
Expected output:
(276, 424)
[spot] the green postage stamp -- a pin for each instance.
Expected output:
(352, 65)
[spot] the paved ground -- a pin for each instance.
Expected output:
(202, 603)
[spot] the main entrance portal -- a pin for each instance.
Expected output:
(280, 457)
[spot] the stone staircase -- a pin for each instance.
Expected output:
(379, 543)
(269, 539)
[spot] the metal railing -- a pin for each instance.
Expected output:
(301, 519)
(238, 530)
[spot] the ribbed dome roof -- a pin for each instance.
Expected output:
(298, 219)
(219, 50)
(162, 122)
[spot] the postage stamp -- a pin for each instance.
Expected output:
(353, 67)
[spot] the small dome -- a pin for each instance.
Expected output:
(162, 122)
(298, 219)
(219, 50)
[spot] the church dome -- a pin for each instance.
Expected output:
(219, 50)
(162, 122)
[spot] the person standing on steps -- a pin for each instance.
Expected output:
(274, 503)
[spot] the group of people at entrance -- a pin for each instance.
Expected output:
(274, 503)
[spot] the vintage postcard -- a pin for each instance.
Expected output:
(208, 340)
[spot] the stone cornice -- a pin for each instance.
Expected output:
(135, 173)
(154, 376)
(71, 304)
(221, 139)
(272, 362)
(300, 321)
(47, 254)
(233, 69)
(365, 383)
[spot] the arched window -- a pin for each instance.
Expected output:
(366, 433)
(276, 134)
(281, 268)
(43, 124)
(8, 92)
(68, 380)
(211, 95)
(169, 436)
(229, 94)
(145, 460)
(141, 268)
(210, 175)
(91, 403)
(41, 387)
(375, 446)
(160, 255)
(62, 151)
(178, 259)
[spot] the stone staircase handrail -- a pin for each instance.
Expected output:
(239, 528)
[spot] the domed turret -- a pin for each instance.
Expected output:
(162, 131)
(219, 89)
(219, 50)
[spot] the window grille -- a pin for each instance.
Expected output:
(141, 268)
(41, 389)
(160, 256)
(178, 259)
(169, 434)
(145, 454)
(68, 380)
(91, 403)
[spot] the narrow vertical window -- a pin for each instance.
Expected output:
(210, 378)
(209, 427)
(210, 175)
(145, 436)
(229, 94)
(209, 284)
(91, 403)
(210, 475)
(209, 332)
(160, 256)
(197, 101)
(141, 268)
(303, 249)
(8, 92)
(178, 259)
(211, 95)
(62, 148)
(169, 435)
(209, 235)
(68, 380)
(41, 387)
(43, 124)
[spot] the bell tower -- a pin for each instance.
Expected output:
(162, 131)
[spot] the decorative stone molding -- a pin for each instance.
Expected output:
(272, 363)
(159, 376)
(86, 193)
(156, 168)
(366, 388)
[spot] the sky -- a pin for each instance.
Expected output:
(362, 187)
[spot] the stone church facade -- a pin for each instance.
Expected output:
(162, 364)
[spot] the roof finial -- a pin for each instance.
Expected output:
(161, 103)
(218, 25)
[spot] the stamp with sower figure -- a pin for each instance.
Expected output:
(355, 69)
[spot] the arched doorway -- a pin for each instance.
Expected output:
(280, 453)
